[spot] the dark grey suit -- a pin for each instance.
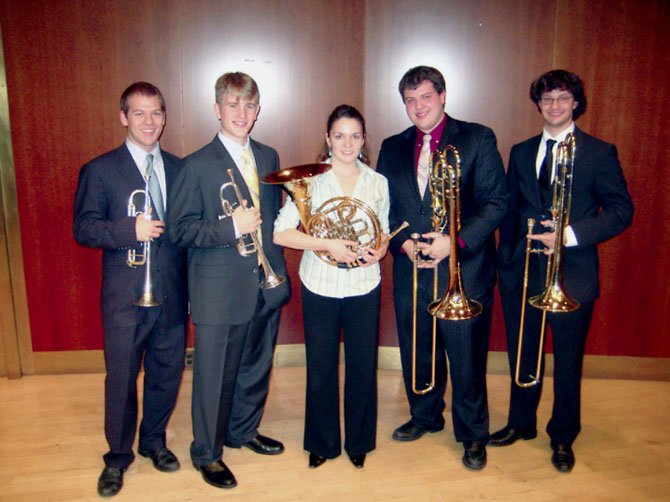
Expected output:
(236, 322)
(483, 203)
(131, 332)
(601, 208)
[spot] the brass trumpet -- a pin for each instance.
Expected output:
(136, 259)
(554, 298)
(253, 246)
(445, 186)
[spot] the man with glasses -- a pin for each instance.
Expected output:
(600, 209)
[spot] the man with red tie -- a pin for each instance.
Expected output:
(404, 161)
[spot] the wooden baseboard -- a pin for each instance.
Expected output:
(615, 367)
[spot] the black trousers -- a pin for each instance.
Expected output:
(162, 348)
(464, 343)
(358, 318)
(222, 354)
(569, 331)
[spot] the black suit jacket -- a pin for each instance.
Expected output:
(101, 221)
(601, 208)
(223, 285)
(483, 202)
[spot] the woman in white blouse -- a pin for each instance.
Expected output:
(335, 299)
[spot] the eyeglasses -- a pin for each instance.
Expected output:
(563, 99)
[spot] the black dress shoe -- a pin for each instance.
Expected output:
(164, 460)
(358, 460)
(507, 436)
(110, 481)
(474, 456)
(562, 457)
(409, 431)
(264, 445)
(217, 474)
(316, 460)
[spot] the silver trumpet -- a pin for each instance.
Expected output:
(136, 259)
(244, 247)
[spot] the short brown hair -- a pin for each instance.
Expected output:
(238, 82)
(143, 89)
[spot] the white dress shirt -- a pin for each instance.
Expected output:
(140, 157)
(320, 277)
(570, 237)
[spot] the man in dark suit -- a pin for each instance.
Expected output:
(236, 319)
(403, 160)
(133, 333)
(601, 208)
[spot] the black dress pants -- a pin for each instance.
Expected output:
(324, 318)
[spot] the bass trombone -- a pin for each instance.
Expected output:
(445, 190)
(554, 298)
(244, 247)
(135, 259)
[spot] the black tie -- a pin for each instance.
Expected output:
(545, 172)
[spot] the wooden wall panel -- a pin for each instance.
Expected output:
(67, 64)
(307, 58)
(477, 46)
(68, 61)
(620, 49)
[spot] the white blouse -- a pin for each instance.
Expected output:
(320, 277)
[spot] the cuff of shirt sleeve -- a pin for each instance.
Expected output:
(570, 237)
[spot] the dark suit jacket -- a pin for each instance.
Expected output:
(223, 285)
(483, 201)
(601, 208)
(101, 221)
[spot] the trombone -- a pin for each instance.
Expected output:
(554, 298)
(445, 187)
(245, 248)
(135, 259)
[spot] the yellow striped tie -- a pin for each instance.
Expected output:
(251, 177)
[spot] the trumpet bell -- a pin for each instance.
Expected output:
(455, 307)
(147, 299)
(554, 299)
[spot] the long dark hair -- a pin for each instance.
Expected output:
(348, 112)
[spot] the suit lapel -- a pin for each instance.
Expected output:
(225, 161)
(407, 159)
(527, 172)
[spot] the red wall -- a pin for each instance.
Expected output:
(68, 61)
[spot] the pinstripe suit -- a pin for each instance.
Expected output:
(236, 321)
(483, 202)
(131, 332)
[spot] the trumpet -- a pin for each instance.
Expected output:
(445, 186)
(253, 246)
(135, 259)
(554, 298)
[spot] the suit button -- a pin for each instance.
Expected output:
(255, 270)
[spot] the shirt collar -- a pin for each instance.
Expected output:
(561, 136)
(234, 148)
(139, 155)
(435, 134)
